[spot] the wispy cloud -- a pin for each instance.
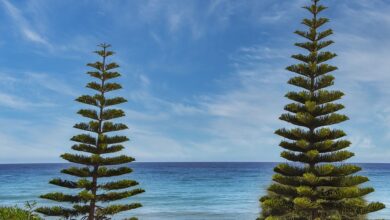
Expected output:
(23, 90)
(238, 120)
(25, 28)
(206, 79)
(16, 102)
(156, 38)
(51, 83)
(38, 146)
(31, 22)
(8, 100)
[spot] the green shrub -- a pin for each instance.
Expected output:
(16, 213)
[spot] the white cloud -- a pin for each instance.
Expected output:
(156, 38)
(144, 80)
(364, 74)
(174, 21)
(12, 101)
(234, 125)
(33, 25)
(23, 90)
(151, 145)
(52, 83)
(35, 146)
(178, 16)
(24, 27)
(16, 102)
(237, 122)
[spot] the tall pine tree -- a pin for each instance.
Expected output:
(94, 190)
(316, 185)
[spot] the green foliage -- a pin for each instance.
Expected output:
(317, 185)
(16, 213)
(94, 190)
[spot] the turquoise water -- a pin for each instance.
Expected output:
(185, 191)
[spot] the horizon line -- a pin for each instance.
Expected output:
(38, 163)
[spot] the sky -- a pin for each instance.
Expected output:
(205, 80)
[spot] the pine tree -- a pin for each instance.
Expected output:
(94, 143)
(315, 184)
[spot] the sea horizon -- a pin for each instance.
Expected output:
(180, 190)
(275, 162)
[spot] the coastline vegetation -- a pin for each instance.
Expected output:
(17, 213)
(92, 202)
(315, 184)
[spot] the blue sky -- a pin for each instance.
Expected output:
(205, 80)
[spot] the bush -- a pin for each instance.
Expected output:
(16, 213)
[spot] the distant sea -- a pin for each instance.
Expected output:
(185, 191)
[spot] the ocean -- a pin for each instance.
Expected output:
(181, 191)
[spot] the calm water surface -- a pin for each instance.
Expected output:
(185, 191)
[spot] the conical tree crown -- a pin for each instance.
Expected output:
(95, 189)
(316, 185)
